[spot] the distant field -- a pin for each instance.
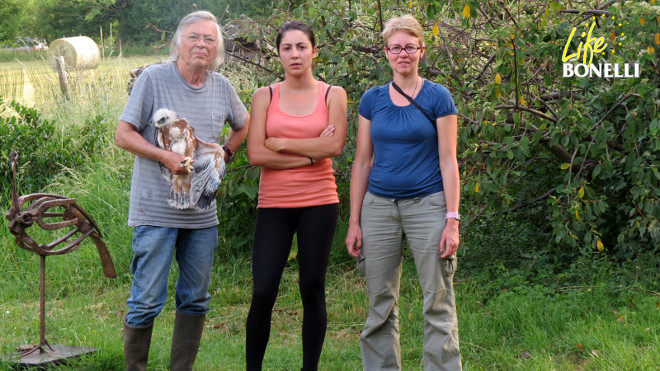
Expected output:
(99, 91)
(34, 81)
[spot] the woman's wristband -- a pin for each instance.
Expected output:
(453, 215)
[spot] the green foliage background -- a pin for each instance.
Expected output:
(43, 150)
(133, 21)
(575, 157)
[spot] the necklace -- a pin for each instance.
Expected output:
(415, 89)
(400, 91)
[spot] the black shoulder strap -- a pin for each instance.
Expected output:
(270, 88)
(412, 101)
(327, 92)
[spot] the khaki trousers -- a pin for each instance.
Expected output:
(384, 222)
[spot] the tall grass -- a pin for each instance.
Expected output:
(517, 309)
(8, 55)
(99, 91)
(12, 82)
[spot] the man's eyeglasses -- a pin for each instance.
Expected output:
(397, 49)
(194, 39)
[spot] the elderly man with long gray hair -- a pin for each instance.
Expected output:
(188, 85)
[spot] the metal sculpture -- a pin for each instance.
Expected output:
(52, 212)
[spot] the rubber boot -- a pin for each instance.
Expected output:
(185, 341)
(136, 346)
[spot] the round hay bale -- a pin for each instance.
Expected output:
(79, 52)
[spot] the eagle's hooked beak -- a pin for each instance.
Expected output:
(161, 122)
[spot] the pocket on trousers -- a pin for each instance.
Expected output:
(451, 264)
(438, 199)
(361, 264)
(368, 199)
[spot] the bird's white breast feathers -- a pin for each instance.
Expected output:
(199, 188)
(180, 142)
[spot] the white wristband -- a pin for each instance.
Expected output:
(453, 215)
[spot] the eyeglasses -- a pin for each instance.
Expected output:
(397, 49)
(195, 38)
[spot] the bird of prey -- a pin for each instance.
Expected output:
(205, 162)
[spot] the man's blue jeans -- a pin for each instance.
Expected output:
(154, 248)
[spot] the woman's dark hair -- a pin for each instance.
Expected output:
(291, 26)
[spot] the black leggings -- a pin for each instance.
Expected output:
(273, 234)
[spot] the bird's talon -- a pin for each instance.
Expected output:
(186, 163)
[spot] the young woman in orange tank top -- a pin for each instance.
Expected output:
(295, 127)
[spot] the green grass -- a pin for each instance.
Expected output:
(7, 55)
(518, 307)
(586, 328)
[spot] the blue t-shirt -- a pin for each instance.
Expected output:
(406, 160)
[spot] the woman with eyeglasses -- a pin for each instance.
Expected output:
(296, 126)
(405, 182)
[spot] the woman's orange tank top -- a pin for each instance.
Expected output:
(304, 186)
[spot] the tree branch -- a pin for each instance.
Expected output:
(442, 35)
(530, 110)
(560, 94)
(617, 104)
(247, 60)
(509, 14)
(488, 62)
(149, 24)
(560, 152)
(523, 204)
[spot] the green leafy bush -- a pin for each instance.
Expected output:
(579, 155)
(576, 157)
(44, 147)
(237, 206)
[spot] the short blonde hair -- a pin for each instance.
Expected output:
(406, 23)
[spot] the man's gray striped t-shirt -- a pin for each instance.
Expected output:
(207, 109)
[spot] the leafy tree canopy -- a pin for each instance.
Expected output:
(578, 156)
(14, 15)
(142, 21)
